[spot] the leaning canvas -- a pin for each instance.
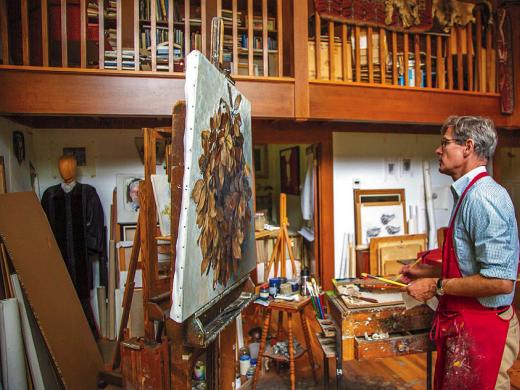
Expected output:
(215, 245)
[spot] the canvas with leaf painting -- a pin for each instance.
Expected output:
(215, 245)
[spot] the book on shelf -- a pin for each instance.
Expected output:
(259, 25)
(161, 10)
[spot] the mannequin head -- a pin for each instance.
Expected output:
(67, 167)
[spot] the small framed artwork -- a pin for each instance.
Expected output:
(3, 181)
(128, 197)
(162, 194)
(379, 213)
(290, 170)
(129, 232)
(260, 160)
(80, 154)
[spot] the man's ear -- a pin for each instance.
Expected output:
(469, 147)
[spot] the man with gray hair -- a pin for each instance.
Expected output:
(475, 328)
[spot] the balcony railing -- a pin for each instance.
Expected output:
(144, 35)
(463, 59)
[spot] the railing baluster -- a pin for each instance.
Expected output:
(405, 59)
(187, 32)
(203, 30)
(382, 56)
(357, 32)
(171, 30)
(489, 55)
(235, 36)
(153, 33)
(332, 64)
(370, 55)
(469, 55)
(428, 61)
(449, 55)
(264, 39)
(417, 60)
(441, 79)
(45, 34)
(25, 33)
(250, 16)
(344, 51)
(317, 51)
(83, 33)
(64, 48)
(119, 36)
(394, 58)
(5, 32)
(460, 66)
(478, 53)
(279, 29)
(136, 36)
(101, 35)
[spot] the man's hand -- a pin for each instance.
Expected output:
(411, 272)
(422, 289)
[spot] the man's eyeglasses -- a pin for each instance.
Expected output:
(446, 141)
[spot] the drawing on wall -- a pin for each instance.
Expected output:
(162, 195)
(79, 153)
(128, 197)
(215, 245)
(19, 146)
(290, 170)
(381, 221)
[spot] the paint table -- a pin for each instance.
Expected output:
(380, 331)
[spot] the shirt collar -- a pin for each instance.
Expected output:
(67, 187)
(458, 186)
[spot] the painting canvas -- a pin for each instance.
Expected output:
(381, 221)
(128, 197)
(162, 195)
(215, 245)
(290, 170)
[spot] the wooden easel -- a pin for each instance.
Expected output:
(282, 242)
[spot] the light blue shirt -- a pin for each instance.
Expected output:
(485, 232)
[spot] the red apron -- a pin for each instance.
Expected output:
(470, 338)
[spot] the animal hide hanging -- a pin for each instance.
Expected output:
(505, 63)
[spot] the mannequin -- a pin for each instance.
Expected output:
(76, 217)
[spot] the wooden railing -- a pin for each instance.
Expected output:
(462, 60)
(144, 35)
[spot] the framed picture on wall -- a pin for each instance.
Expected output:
(128, 197)
(379, 213)
(260, 160)
(290, 170)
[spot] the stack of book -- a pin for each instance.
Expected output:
(227, 17)
(128, 60)
(111, 9)
(161, 10)
(92, 9)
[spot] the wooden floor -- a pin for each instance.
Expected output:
(407, 373)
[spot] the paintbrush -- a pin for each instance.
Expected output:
(413, 265)
(365, 275)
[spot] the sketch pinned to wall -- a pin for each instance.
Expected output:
(405, 167)
(379, 213)
(215, 245)
(162, 195)
(19, 146)
(128, 197)
(391, 169)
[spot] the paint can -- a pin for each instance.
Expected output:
(264, 292)
(245, 363)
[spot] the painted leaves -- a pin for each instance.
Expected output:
(222, 195)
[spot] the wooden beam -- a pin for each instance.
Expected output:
(441, 77)
(478, 52)
(405, 59)
(187, 31)
(370, 55)
(279, 32)
(332, 64)
(5, 32)
(265, 56)
(137, 34)
(153, 33)
(428, 61)
(417, 59)
(83, 33)
(235, 36)
(45, 34)
(25, 32)
(394, 58)
(203, 28)
(250, 17)
(171, 30)
(469, 55)
(449, 60)
(317, 44)
(460, 68)
(382, 54)
(357, 52)
(64, 44)
(101, 35)
(301, 67)
(119, 36)
(344, 51)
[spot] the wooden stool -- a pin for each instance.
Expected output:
(289, 308)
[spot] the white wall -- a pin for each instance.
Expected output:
(17, 175)
(113, 152)
(364, 156)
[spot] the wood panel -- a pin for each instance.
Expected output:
(355, 101)
(301, 68)
(64, 46)
(25, 32)
(123, 93)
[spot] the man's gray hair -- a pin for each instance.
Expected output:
(481, 130)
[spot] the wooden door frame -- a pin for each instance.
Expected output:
(267, 132)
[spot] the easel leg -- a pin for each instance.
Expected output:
(291, 351)
(265, 330)
(429, 365)
(308, 345)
